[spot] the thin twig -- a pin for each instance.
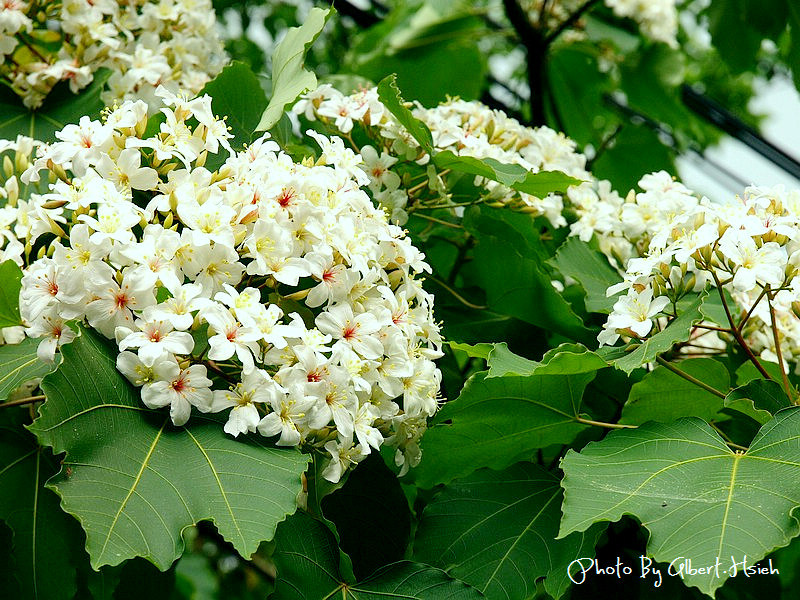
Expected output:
(662, 361)
(213, 366)
(455, 294)
(23, 401)
(439, 221)
(604, 424)
(778, 351)
(743, 322)
(713, 328)
(569, 22)
(736, 334)
(727, 439)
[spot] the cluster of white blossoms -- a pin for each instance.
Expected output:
(272, 290)
(146, 43)
(464, 128)
(679, 243)
(658, 19)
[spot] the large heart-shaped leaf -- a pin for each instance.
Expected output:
(47, 544)
(496, 420)
(18, 364)
(308, 569)
(496, 531)
(698, 499)
(135, 482)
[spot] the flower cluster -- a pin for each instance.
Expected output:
(272, 290)
(658, 19)
(624, 227)
(464, 128)
(679, 244)
(145, 43)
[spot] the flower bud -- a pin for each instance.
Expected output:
(796, 308)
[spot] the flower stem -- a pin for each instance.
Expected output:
(778, 351)
(735, 332)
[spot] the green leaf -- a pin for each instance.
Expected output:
(481, 350)
(576, 259)
(576, 85)
(664, 396)
(794, 45)
(517, 286)
(696, 497)
(307, 560)
(759, 399)
(289, 77)
(430, 45)
(389, 94)
(748, 372)
(566, 359)
(502, 361)
(139, 579)
(10, 285)
(47, 543)
(496, 531)
(237, 96)
(714, 311)
(60, 108)
(135, 482)
(517, 229)
(514, 176)
(636, 149)
(738, 50)
(359, 510)
(677, 331)
(496, 420)
(18, 364)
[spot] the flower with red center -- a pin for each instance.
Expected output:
(180, 389)
(154, 338)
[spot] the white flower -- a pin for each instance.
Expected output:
(180, 389)
(255, 387)
(356, 330)
(231, 337)
(210, 262)
(343, 456)
(635, 311)
(765, 265)
(155, 338)
(288, 412)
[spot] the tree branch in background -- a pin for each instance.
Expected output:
(362, 18)
(569, 22)
(536, 49)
